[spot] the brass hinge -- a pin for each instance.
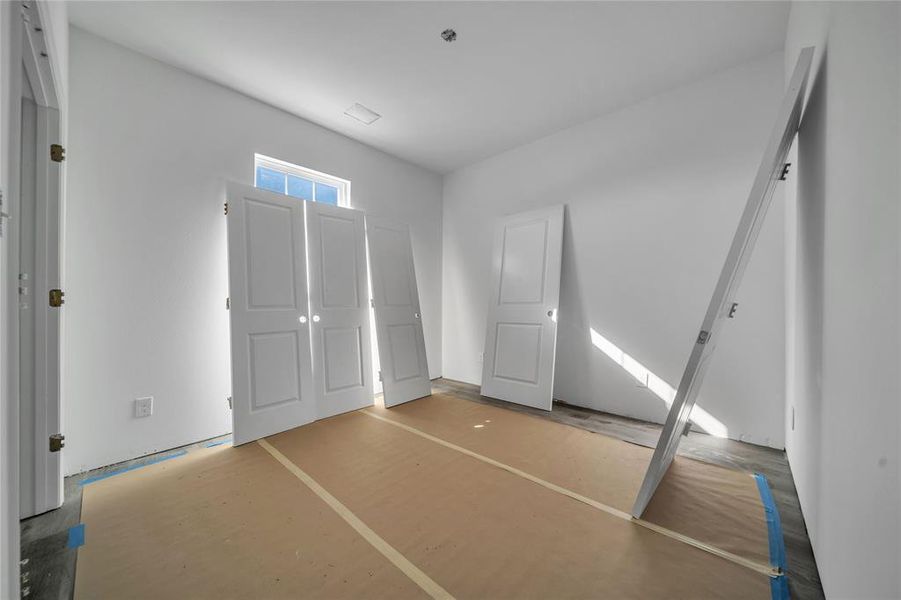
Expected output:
(226, 208)
(57, 442)
(703, 337)
(56, 298)
(228, 303)
(57, 153)
(229, 400)
(380, 376)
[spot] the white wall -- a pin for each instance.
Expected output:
(842, 243)
(151, 150)
(653, 195)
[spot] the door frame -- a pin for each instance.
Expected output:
(35, 69)
(27, 37)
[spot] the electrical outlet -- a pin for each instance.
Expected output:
(144, 407)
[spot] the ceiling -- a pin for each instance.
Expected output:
(517, 72)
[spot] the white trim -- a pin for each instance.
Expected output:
(343, 185)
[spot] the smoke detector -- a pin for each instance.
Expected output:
(448, 35)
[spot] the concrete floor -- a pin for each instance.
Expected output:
(48, 565)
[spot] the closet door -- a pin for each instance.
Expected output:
(398, 320)
(272, 382)
(339, 304)
(521, 336)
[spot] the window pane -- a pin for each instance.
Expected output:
(268, 179)
(300, 187)
(326, 194)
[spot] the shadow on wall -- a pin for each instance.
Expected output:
(575, 330)
(572, 325)
(809, 236)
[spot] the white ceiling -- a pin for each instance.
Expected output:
(517, 72)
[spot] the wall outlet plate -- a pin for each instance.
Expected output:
(144, 407)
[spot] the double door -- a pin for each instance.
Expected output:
(299, 312)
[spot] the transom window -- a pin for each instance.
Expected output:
(283, 177)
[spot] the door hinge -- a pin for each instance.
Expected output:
(229, 400)
(56, 298)
(228, 303)
(703, 337)
(380, 376)
(372, 302)
(226, 208)
(57, 153)
(57, 442)
(732, 310)
(784, 174)
(3, 214)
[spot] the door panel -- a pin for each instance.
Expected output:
(340, 309)
(272, 380)
(521, 336)
(343, 358)
(522, 263)
(274, 372)
(405, 371)
(517, 354)
(270, 270)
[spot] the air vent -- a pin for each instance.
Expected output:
(362, 114)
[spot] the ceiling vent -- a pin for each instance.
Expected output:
(362, 114)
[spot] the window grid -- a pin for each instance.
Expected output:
(298, 182)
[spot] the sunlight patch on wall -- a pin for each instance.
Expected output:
(659, 387)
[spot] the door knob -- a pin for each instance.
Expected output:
(416, 315)
(315, 318)
(302, 319)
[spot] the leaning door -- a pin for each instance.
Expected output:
(339, 304)
(398, 320)
(272, 385)
(521, 338)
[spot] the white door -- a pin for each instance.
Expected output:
(272, 383)
(339, 304)
(398, 320)
(521, 338)
(721, 307)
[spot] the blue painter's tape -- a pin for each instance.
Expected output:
(779, 588)
(779, 584)
(219, 443)
(76, 536)
(145, 463)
